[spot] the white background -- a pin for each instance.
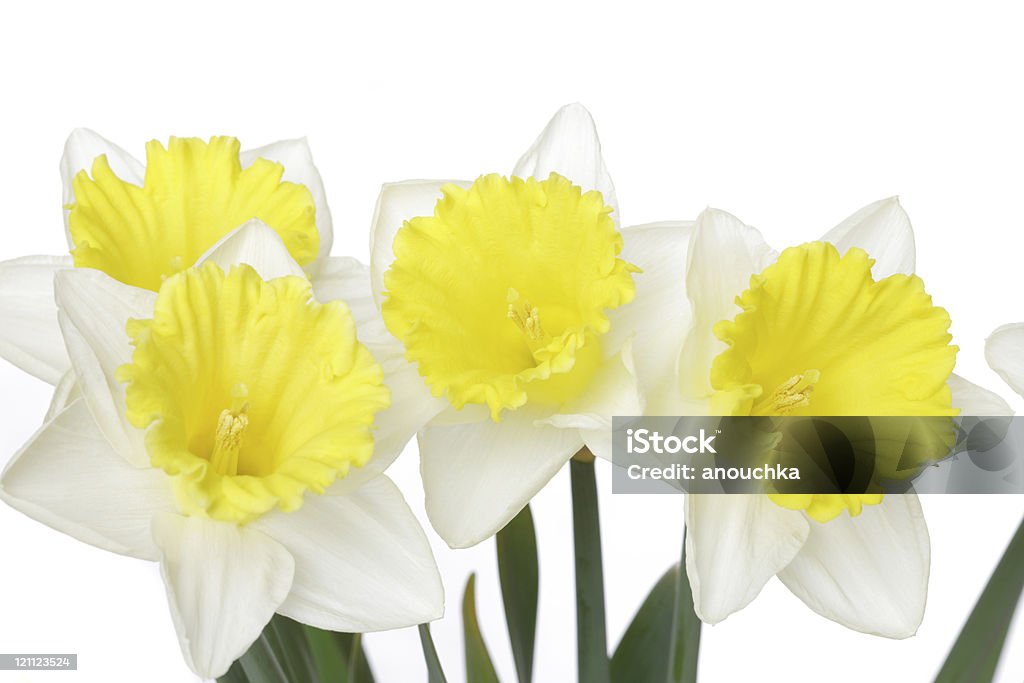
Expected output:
(789, 114)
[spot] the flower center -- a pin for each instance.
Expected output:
(501, 296)
(301, 392)
(818, 335)
(228, 439)
(194, 193)
(794, 393)
(526, 318)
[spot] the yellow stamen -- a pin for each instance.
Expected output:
(526, 317)
(228, 441)
(230, 429)
(794, 393)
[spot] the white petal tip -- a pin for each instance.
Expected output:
(1004, 352)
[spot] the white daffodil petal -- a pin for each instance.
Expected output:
(882, 229)
(224, 583)
(870, 572)
(734, 544)
(478, 476)
(94, 309)
(342, 278)
(67, 391)
(569, 146)
(362, 561)
(297, 159)
(1004, 351)
(613, 391)
(722, 256)
(397, 203)
(29, 334)
(69, 478)
(257, 245)
(412, 407)
(659, 316)
(467, 414)
(972, 399)
(412, 404)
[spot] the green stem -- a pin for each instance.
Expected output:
(435, 674)
(975, 655)
(685, 641)
(591, 636)
(353, 657)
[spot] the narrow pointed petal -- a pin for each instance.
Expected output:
(29, 335)
(397, 203)
(882, 229)
(69, 478)
(734, 544)
(82, 148)
(972, 399)
(569, 146)
(412, 404)
(723, 255)
(659, 317)
(94, 310)
(297, 159)
(224, 583)
(478, 476)
(1004, 351)
(362, 561)
(257, 245)
(870, 572)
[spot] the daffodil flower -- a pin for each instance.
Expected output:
(513, 297)
(234, 430)
(141, 224)
(1004, 351)
(835, 327)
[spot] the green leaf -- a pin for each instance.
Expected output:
(975, 655)
(518, 570)
(435, 674)
(288, 651)
(685, 642)
(591, 636)
(352, 646)
(234, 675)
(333, 654)
(330, 658)
(643, 652)
(479, 668)
(292, 648)
(261, 662)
